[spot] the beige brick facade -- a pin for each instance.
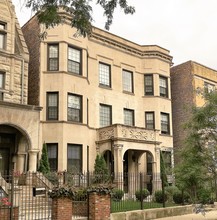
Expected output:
(124, 146)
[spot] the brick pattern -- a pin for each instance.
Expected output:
(80, 208)
(61, 209)
(99, 206)
(31, 32)
(5, 213)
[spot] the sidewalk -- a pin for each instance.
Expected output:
(209, 215)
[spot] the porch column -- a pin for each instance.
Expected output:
(20, 162)
(156, 182)
(33, 160)
(118, 164)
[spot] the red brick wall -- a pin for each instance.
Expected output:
(99, 206)
(31, 31)
(61, 209)
(5, 213)
(182, 93)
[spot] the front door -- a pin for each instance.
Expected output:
(4, 160)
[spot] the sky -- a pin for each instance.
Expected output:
(187, 28)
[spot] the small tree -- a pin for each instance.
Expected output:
(101, 172)
(44, 166)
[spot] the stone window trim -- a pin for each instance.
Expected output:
(163, 86)
(127, 81)
(105, 75)
(149, 84)
(3, 35)
(52, 106)
(74, 110)
(74, 157)
(150, 120)
(129, 117)
(74, 60)
(105, 118)
(165, 123)
(52, 57)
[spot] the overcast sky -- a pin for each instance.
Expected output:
(187, 28)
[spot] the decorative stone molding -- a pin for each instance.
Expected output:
(117, 131)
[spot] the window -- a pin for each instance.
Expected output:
(52, 150)
(104, 74)
(74, 158)
(129, 117)
(53, 57)
(149, 88)
(74, 60)
(105, 115)
(2, 35)
(2, 84)
(165, 125)
(127, 81)
(209, 87)
(163, 87)
(149, 120)
(149, 163)
(52, 105)
(74, 108)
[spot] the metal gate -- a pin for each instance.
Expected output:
(24, 197)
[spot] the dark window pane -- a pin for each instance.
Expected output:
(163, 87)
(149, 118)
(52, 150)
(149, 85)
(165, 129)
(53, 57)
(74, 158)
(52, 106)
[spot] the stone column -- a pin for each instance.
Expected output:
(118, 165)
(33, 160)
(156, 181)
(20, 162)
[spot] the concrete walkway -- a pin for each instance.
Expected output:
(210, 215)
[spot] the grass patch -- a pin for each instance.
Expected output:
(130, 205)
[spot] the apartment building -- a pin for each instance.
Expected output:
(187, 80)
(100, 95)
(19, 122)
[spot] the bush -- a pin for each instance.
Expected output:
(117, 194)
(170, 191)
(141, 194)
(159, 196)
(180, 198)
(80, 194)
(204, 196)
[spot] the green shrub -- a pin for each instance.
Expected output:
(142, 194)
(117, 194)
(159, 196)
(170, 191)
(204, 196)
(80, 194)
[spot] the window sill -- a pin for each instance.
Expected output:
(168, 135)
(129, 93)
(105, 87)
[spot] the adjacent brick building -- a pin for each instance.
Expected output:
(186, 80)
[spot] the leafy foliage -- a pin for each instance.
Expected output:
(160, 196)
(142, 194)
(197, 169)
(80, 11)
(44, 166)
(117, 194)
(101, 172)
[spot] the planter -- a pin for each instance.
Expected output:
(5, 213)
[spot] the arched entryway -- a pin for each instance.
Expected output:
(14, 145)
(134, 163)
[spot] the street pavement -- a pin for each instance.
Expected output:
(210, 215)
